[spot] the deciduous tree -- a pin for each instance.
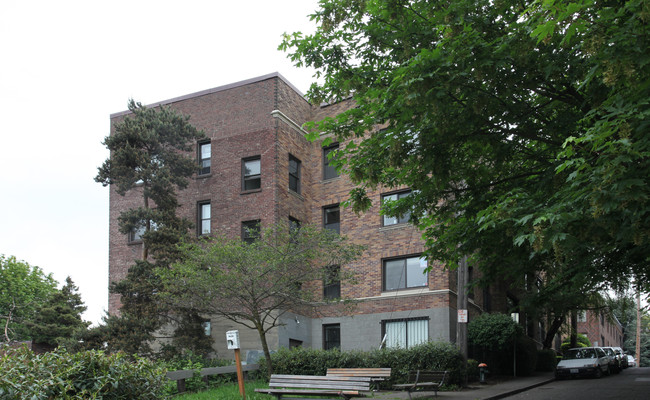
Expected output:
(254, 284)
(23, 288)
(521, 128)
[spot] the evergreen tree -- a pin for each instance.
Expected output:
(59, 317)
(151, 157)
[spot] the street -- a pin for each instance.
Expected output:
(630, 384)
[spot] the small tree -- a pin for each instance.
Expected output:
(22, 289)
(254, 284)
(58, 318)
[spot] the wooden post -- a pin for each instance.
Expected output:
(240, 374)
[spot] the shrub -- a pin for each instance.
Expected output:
(492, 331)
(430, 356)
(583, 341)
(84, 375)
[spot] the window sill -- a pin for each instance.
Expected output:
(243, 192)
(329, 180)
(134, 242)
(203, 176)
(405, 292)
(296, 194)
(401, 225)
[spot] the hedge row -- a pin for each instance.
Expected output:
(83, 375)
(439, 356)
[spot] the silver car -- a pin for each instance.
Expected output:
(583, 361)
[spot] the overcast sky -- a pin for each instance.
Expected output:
(65, 66)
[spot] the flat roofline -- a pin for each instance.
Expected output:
(217, 89)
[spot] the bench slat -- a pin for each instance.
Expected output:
(371, 372)
(310, 385)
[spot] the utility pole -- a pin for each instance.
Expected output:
(461, 326)
(638, 327)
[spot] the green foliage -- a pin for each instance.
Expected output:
(151, 158)
(520, 127)
(23, 288)
(437, 356)
(583, 341)
(492, 331)
(58, 318)
(546, 360)
(84, 375)
(250, 284)
(228, 391)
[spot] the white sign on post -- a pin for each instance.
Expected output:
(462, 316)
(232, 338)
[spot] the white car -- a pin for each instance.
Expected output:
(583, 361)
(631, 362)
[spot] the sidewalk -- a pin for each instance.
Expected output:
(494, 389)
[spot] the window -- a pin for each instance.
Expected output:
(251, 173)
(294, 174)
(332, 218)
(405, 333)
(582, 316)
(331, 336)
(207, 328)
(250, 231)
(294, 225)
(136, 234)
(332, 283)
(402, 219)
(329, 171)
(204, 218)
(404, 273)
(205, 155)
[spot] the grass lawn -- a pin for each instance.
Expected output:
(228, 391)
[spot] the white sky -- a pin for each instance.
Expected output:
(66, 65)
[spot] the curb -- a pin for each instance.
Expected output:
(519, 390)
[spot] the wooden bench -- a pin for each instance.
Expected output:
(375, 374)
(423, 380)
(333, 387)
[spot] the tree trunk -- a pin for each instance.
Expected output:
(574, 329)
(265, 348)
(552, 331)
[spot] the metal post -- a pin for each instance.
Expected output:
(461, 327)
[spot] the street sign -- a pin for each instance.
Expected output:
(462, 316)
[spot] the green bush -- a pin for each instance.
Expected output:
(431, 356)
(546, 360)
(583, 341)
(472, 370)
(83, 375)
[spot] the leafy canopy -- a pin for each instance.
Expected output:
(254, 284)
(23, 288)
(521, 128)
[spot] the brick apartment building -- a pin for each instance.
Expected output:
(257, 167)
(601, 329)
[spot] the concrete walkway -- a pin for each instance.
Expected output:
(494, 389)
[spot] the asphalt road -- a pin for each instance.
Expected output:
(630, 384)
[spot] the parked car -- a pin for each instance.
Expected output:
(614, 362)
(583, 361)
(622, 359)
(631, 362)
